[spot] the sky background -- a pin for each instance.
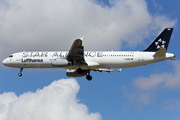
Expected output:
(143, 93)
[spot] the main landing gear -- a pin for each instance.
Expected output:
(87, 72)
(20, 74)
(88, 76)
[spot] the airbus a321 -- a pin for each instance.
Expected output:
(80, 63)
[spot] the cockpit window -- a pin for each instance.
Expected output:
(11, 56)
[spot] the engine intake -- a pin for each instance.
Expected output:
(74, 73)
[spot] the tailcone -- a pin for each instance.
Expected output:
(170, 56)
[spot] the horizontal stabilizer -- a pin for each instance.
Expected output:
(172, 59)
(160, 53)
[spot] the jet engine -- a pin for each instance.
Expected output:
(60, 62)
(75, 73)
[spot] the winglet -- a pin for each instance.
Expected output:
(81, 38)
(120, 70)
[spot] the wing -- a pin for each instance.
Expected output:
(76, 53)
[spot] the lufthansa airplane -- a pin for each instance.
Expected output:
(79, 63)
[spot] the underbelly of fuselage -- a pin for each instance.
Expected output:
(101, 65)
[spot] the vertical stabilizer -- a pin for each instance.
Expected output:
(161, 41)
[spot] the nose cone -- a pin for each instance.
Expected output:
(5, 62)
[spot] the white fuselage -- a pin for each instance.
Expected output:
(94, 59)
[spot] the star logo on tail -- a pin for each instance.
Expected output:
(160, 43)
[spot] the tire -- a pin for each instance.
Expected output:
(19, 74)
(89, 77)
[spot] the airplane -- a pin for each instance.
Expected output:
(80, 63)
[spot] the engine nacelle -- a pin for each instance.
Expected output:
(74, 73)
(60, 62)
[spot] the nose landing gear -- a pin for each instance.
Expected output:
(20, 74)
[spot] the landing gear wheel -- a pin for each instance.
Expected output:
(89, 77)
(19, 74)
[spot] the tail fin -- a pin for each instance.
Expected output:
(161, 41)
